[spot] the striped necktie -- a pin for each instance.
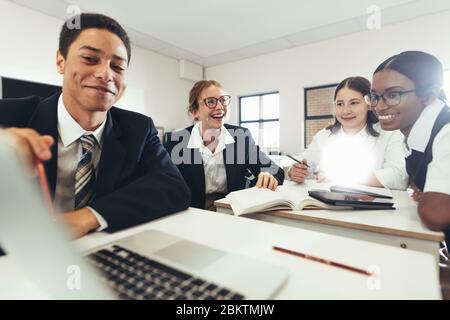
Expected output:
(85, 174)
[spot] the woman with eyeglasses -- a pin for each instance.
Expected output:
(354, 150)
(217, 158)
(407, 94)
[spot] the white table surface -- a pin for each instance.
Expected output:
(403, 274)
(400, 228)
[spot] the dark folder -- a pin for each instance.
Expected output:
(354, 200)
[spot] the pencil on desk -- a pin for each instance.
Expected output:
(43, 181)
(298, 161)
(324, 261)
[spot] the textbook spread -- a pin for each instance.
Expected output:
(284, 198)
(298, 198)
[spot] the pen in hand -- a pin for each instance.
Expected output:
(298, 161)
(43, 181)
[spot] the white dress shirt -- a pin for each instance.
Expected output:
(355, 156)
(213, 164)
(438, 173)
(69, 154)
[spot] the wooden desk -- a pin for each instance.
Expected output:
(403, 274)
(399, 228)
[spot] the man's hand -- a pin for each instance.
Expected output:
(80, 222)
(298, 172)
(31, 144)
(266, 180)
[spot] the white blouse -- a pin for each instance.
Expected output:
(438, 173)
(213, 164)
(352, 158)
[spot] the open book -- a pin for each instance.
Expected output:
(284, 198)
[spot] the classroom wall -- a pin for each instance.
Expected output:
(29, 41)
(290, 71)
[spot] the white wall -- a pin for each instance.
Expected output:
(29, 41)
(330, 61)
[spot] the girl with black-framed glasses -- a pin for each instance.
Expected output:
(407, 94)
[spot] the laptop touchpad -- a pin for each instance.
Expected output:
(190, 254)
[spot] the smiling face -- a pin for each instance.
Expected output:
(403, 115)
(351, 110)
(210, 118)
(94, 72)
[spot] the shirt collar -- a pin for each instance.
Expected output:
(196, 141)
(421, 131)
(359, 135)
(69, 130)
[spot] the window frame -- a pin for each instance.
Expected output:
(316, 117)
(260, 120)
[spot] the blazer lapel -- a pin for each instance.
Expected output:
(198, 173)
(195, 169)
(45, 121)
(111, 159)
(230, 169)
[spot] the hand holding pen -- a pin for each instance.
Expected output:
(31, 144)
(34, 149)
(299, 171)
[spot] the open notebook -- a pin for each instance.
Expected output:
(296, 198)
(284, 198)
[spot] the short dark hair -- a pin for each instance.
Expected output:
(362, 85)
(423, 69)
(91, 21)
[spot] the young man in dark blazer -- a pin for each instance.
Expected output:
(106, 167)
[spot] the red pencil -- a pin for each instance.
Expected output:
(43, 181)
(328, 262)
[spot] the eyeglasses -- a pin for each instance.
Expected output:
(391, 98)
(211, 102)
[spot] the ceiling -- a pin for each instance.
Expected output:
(212, 32)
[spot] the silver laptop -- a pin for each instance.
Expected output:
(148, 265)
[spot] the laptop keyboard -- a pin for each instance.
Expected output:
(136, 277)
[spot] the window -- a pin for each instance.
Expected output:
(319, 110)
(261, 115)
